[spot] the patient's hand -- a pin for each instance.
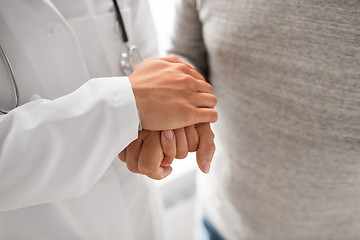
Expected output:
(197, 138)
(206, 148)
(151, 154)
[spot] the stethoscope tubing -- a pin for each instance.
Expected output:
(125, 40)
(11, 71)
(121, 23)
(126, 63)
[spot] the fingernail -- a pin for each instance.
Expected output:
(207, 167)
(167, 161)
(169, 134)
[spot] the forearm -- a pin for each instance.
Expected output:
(186, 39)
(54, 150)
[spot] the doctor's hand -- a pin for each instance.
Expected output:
(170, 94)
(151, 154)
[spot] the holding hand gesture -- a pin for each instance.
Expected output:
(170, 94)
(154, 151)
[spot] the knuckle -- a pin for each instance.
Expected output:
(192, 148)
(180, 67)
(187, 81)
(155, 176)
(181, 155)
(181, 79)
(131, 167)
(174, 57)
(171, 154)
(145, 169)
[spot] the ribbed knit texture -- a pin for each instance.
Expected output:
(287, 78)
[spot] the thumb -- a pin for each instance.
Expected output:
(206, 150)
(168, 143)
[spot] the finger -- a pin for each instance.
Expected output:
(151, 156)
(167, 161)
(196, 75)
(181, 143)
(204, 87)
(192, 138)
(160, 173)
(168, 143)
(175, 59)
(132, 155)
(122, 155)
(206, 149)
(190, 70)
(204, 100)
(204, 115)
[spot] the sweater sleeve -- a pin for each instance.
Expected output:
(187, 39)
(53, 150)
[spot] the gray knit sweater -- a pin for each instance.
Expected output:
(287, 78)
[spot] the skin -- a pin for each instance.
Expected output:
(206, 149)
(153, 152)
(170, 94)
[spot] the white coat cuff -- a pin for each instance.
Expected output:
(120, 92)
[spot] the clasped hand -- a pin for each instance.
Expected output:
(154, 151)
(170, 94)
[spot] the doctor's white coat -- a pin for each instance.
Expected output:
(59, 173)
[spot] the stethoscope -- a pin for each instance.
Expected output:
(129, 59)
(15, 88)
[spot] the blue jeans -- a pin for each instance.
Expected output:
(204, 229)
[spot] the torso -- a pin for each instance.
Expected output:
(286, 75)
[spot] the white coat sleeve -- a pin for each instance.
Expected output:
(52, 150)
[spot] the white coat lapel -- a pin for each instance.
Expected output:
(42, 49)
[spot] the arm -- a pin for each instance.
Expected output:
(187, 40)
(58, 149)
(55, 150)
